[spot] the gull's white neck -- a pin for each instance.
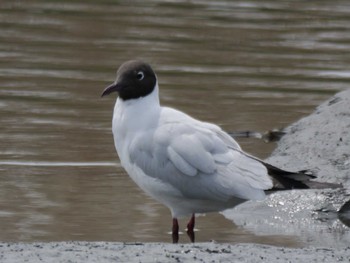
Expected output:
(136, 115)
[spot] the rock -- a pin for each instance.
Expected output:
(319, 142)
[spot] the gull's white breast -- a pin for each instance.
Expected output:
(188, 165)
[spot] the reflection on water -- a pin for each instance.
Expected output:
(245, 65)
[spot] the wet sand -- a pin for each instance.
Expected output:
(160, 252)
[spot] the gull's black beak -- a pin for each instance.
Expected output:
(111, 88)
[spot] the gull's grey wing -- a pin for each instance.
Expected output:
(199, 162)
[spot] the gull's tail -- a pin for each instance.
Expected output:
(285, 180)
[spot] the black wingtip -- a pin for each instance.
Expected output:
(286, 180)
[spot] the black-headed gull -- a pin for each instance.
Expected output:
(186, 164)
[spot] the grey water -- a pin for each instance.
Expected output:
(245, 65)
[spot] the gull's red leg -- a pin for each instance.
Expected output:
(190, 228)
(175, 231)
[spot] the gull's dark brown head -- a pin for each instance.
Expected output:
(135, 79)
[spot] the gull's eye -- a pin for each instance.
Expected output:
(140, 75)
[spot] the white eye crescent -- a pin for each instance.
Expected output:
(140, 75)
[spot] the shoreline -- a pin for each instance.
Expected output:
(160, 252)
